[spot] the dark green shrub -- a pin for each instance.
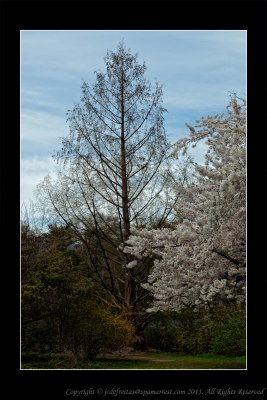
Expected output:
(193, 335)
(184, 332)
(230, 338)
(193, 342)
(96, 330)
(219, 331)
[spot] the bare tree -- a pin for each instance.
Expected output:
(114, 173)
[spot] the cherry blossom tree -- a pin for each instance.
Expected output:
(202, 260)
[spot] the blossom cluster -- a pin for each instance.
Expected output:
(201, 260)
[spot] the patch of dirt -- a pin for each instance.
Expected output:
(138, 355)
(149, 359)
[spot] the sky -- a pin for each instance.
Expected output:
(198, 71)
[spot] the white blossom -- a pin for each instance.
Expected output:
(202, 260)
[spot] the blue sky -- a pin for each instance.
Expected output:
(197, 69)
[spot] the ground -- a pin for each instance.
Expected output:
(133, 360)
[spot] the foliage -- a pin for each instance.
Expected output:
(221, 331)
(94, 330)
(60, 311)
(230, 338)
(185, 332)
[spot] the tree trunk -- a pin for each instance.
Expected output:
(139, 341)
(130, 290)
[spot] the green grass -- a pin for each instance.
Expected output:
(133, 361)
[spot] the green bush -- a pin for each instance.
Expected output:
(194, 342)
(230, 338)
(219, 331)
(95, 330)
(40, 336)
(193, 335)
(184, 332)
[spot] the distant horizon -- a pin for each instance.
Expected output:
(198, 72)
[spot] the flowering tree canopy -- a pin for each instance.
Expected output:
(202, 259)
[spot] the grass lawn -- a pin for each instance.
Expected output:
(138, 360)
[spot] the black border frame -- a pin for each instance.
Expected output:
(53, 15)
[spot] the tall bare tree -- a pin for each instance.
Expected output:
(114, 173)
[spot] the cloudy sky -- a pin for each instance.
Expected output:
(198, 70)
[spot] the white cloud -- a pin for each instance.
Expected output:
(40, 131)
(33, 170)
(41, 98)
(60, 52)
